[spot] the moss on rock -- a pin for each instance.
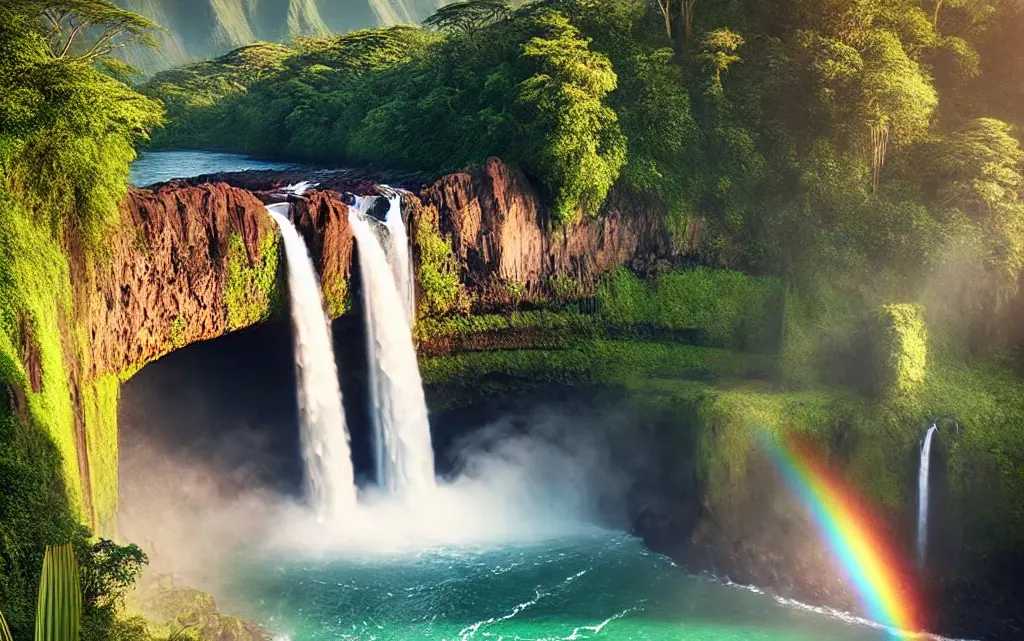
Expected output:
(336, 297)
(729, 308)
(437, 271)
(900, 347)
(250, 292)
(99, 403)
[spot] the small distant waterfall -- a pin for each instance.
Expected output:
(404, 455)
(922, 495)
(325, 440)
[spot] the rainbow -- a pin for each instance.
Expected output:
(876, 572)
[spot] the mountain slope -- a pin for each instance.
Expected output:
(201, 29)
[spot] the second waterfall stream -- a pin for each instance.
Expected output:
(403, 454)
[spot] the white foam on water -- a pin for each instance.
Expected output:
(299, 188)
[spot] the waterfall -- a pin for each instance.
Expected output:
(403, 452)
(922, 495)
(325, 441)
(401, 256)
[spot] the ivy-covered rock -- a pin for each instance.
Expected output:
(899, 343)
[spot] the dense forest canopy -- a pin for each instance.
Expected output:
(872, 140)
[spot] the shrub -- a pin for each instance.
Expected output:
(899, 347)
(441, 291)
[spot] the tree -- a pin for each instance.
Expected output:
(468, 16)
(665, 7)
(976, 12)
(578, 144)
(107, 572)
(718, 53)
(898, 98)
(74, 130)
(978, 172)
(687, 8)
(89, 30)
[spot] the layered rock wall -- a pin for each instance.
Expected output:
(165, 282)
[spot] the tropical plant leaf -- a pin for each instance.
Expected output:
(59, 609)
(5, 632)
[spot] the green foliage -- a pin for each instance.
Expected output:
(468, 16)
(580, 148)
(99, 404)
(36, 291)
(189, 614)
(249, 290)
(718, 53)
(625, 299)
(336, 296)
(81, 584)
(177, 333)
(529, 87)
(900, 341)
(458, 379)
(67, 133)
(562, 324)
(977, 178)
(563, 289)
(5, 632)
(584, 94)
(730, 308)
(59, 611)
(89, 31)
(198, 89)
(437, 273)
(108, 572)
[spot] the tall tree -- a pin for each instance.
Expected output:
(687, 8)
(581, 147)
(665, 8)
(468, 16)
(89, 30)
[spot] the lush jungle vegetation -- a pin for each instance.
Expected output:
(69, 125)
(870, 140)
(865, 153)
(859, 160)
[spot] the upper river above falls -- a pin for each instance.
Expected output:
(160, 166)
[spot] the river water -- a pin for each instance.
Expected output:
(161, 166)
(601, 584)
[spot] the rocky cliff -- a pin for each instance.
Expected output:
(185, 264)
(194, 259)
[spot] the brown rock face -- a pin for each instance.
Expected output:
(499, 230)
(193, 259)
(162, 284)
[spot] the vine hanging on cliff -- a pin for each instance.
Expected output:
(879, 146)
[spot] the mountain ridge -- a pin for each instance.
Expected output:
(202, 29)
